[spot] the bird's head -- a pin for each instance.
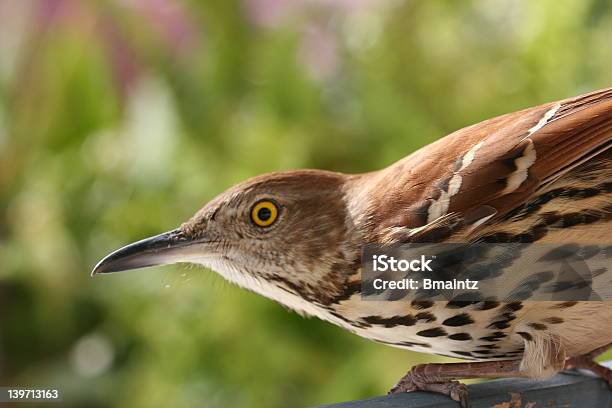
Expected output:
(281, 234)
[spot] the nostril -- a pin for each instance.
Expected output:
(186, 229)
(179, 234)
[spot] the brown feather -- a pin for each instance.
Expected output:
(500, 163)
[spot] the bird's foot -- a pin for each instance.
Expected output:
(441, 378)
(585, 363)
(417, 380)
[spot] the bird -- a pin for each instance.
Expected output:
(539, 175)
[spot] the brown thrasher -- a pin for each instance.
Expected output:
(542, 174)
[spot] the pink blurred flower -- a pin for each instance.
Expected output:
(170, 20)
(319, 53)
(271, 13)
(95, 21)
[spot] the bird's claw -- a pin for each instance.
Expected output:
(454, 389)
(459, 392)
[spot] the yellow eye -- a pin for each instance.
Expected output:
(264, 213)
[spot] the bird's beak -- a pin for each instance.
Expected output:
(167, 248)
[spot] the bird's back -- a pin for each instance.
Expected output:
(541, 175)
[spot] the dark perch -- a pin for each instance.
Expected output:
(573, 389)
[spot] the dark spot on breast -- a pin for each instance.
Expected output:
(407, 320)
(542, 277)
(537, 326)
(582, 193)
(481, 351)
(490, 346)
(421, 304)
(463, 353)
(560, 253)
(564, 305)
(553, 320)
(523, 294)
(488, 304)
(412, 344)
(394, 295)
(355, 323)
(495, 336)
(513, 306)
(459, 304)
(349, 290)
(460, 336)
(435, 332)
(550, 217)
(501, 324)
(404, 343)
(525, 335)
(499, 237)
(458, 320)
(589, 251)
(509, 316)
(426, 317)
(577, 218)
(538, 232)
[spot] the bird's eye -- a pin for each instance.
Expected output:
(264, 213)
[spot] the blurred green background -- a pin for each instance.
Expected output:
(120, 118)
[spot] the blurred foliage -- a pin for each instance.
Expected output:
(118, 119)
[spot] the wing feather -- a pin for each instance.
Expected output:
(500, 163)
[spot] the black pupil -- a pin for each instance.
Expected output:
(264, 214)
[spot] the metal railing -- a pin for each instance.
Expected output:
(567, 390)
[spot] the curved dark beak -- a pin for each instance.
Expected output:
(167, 248)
